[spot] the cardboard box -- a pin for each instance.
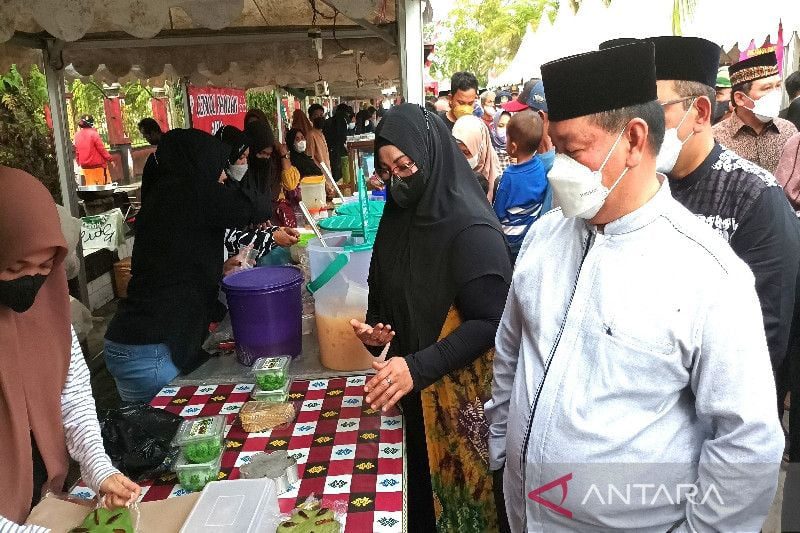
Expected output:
(164, 516)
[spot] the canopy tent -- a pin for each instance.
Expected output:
(726, 23)
(253, 43)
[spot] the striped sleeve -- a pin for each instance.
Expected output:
(262, 240)
(7, 526)
(82, 430)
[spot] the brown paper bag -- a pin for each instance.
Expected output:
(164, 516)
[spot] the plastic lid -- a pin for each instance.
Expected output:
(312, 180)
(200, 429)
(183, 464)
(240, 506)
(375, 208)
(272, 365)
(263, 278)
(348, 223)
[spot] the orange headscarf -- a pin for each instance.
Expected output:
(35, 347)
(301, 123)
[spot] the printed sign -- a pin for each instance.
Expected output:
(102, 231)
(214, 107)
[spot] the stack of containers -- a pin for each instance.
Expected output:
(272, 379)
(202, 442)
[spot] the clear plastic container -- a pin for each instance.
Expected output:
(195, 476)
(273, 396)
(272, 373)
(201, 439)
(240, 506)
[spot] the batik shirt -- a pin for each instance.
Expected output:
(747, 207)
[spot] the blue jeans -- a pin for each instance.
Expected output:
(140, 371)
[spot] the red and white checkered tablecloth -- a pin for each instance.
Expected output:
(348, 454)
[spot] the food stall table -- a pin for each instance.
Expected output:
(349, 455)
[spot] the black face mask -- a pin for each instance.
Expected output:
(319, 122)
(19, 294)
(720, 108)
(407, 192)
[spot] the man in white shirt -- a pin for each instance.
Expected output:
(632, 382)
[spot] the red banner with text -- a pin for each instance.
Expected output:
(213, 107)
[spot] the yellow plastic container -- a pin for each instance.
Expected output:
(312, 188)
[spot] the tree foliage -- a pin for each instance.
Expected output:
(266, 101)
(26, 142)
(486, 35)
(135, 106)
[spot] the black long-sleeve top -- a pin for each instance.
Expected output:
(747, 207)
(480, 302)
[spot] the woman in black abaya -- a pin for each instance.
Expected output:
(438, 282)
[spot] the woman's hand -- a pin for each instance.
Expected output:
(286, 237)
(375, 183)
(380, 335)
(119, 491)
(281, 149)
(392, 382)
(234, 264)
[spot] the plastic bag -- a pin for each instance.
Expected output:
(138, 439)
(312, 515)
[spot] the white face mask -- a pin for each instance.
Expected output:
(672, 146)
(473, 161)
(300, 146)
(577, 189)
(768, 106)
(351, 126)
(236, 172)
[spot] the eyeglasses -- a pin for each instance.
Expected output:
(402, 170)
(679, 100)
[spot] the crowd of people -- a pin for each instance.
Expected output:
(591, 282)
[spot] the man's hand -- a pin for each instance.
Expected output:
(119, 491)
(286, 237)
(392, 382)
(380, 335)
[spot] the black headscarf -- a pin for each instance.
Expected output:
(261, 173)
(300, 160)
(236, 139)
(412, 247)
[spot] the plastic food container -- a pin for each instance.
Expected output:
(348, 223)
(266, 312)
(375, 208)
(312, 189)
(195, 476)
(271, 372)
(272, 396)
(240, 506)
(201, 439)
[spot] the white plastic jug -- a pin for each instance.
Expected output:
(340, 299)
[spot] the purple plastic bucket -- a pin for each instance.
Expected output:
(266, 311)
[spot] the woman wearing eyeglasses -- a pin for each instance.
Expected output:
(437, 287)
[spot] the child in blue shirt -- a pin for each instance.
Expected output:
(521, 194)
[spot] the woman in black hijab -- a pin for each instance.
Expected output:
(296, 142)
(438, 282)
(177, 261)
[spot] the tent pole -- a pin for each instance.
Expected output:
(409, 33)
(54, 72)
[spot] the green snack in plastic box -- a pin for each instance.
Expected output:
(271, 372)
(195, 476)
(104, 521)
(275, 396)
(313, 520)
(201, 438)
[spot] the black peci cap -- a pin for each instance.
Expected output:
(605, 80)
(687, 59)
(621, 41)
